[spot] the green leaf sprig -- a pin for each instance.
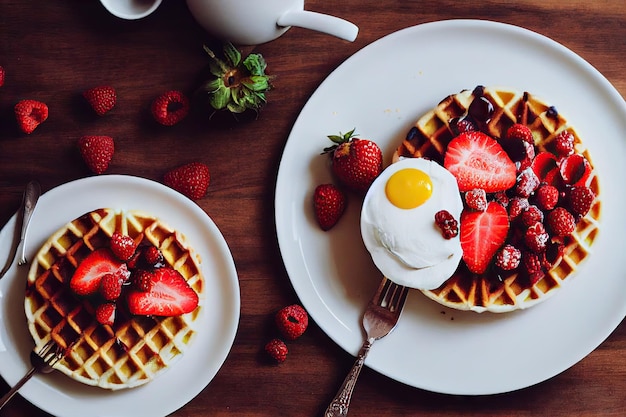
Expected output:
(236, 84)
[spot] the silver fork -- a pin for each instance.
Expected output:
(42, 361)
(380, 318)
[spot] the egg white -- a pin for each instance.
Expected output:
(405, 244)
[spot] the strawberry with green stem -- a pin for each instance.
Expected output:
(355, 162)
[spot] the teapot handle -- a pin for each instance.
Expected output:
(320, 22)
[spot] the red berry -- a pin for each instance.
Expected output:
(508, 258)
(329, 203)
(153, 256)
(476, 199)
(547, 196)
(581, 199)
(142, 280)
(463, 125)
(277, 349)
(521, 132)
(170, 108)
(101, 99)
(447, 223)
(122, 246)
(355, 162)
(30, 114)
(97, 152)
(111, 286)
(501, 198)
(527, 183)
(1, 76)
(105, 313)
(536, 238)
(191, 179)
(532, 262)
(561, 222)
(531, 216)
(292, 321)
(517, 205)
(564, 143)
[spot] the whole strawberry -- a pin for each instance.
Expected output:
(292, 321)
(101, 99)
(170, 108)
(355, 162)
(1, 76)
(30, 114)
(97, 152)
(277, 350)
(191, 179)
(329, 204)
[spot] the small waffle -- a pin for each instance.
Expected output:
(429, 139)
(136, 348)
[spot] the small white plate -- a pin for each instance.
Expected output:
(64, 397)
(381, 91)
(131, 9)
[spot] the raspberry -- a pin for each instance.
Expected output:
(153, 257)
(564, 143)
(476, 199)
(292, 321)
(277, 349)
(123, 246)
(536, 238)
(508, 258)
(447, 223)
(532, 215)
(111, 286)
(547, 196)
(561, 222)
(521, 132)
(142, 280)
(462, 125)
(517, 206)
(533, 266)
(527, 183)
(501, 198)
(532, 262)
(580, 199)
(105, 313)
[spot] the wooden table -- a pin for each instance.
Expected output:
(52, 50)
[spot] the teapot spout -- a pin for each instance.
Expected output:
(324, 23)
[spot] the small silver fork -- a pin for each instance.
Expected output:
(380, 318)
(42, 361)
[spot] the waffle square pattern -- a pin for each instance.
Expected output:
(429, 139)
(135, 349)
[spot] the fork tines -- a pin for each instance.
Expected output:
(391, 295)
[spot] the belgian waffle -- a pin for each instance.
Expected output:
(136, 348)
(429, 139)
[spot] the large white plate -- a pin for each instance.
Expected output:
(381, 91)
(64, 397)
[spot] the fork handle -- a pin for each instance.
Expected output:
(5, 399)
(340, 404)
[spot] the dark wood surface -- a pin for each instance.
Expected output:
(53, 50)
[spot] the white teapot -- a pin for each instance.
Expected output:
(252, 22)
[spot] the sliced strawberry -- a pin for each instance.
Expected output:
(87, 277)
(482, 234)
(169, 295)
(478, 161)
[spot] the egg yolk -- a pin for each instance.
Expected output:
(408, 188)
